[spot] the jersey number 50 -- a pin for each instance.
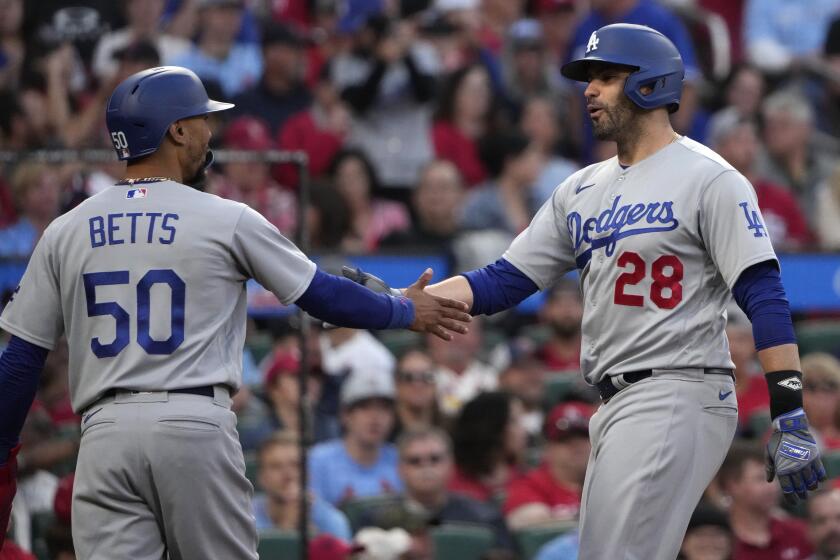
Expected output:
(144, 288)
(662, 281)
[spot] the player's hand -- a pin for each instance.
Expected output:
(437, 315)
(793, 456)
(8, 486)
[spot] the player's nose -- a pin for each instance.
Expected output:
(591, 90)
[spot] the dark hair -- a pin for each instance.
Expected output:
(733, 466)
(407, 438)
(496, 149)
(479, 433)
(449, 91)
(335, 215)
(354, 153)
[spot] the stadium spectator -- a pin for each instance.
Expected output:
(522, 375)
(507, 200)
(736, 140)
(709, 535)
(527, 69)
(552, 491)
(760, 531)
(821, 396)
(328, 217)
(460, 373)
(743, 91)
(416, 393)
(74, 114)
(372, 218)
(250, 182)
(497, 16)
(388, 79)
(489, 441)
(36, 191)
(143, 23)
(750, 386)
(319, 131)
(541, 124)
(425, 466)
(361, 463)
(282, 387)
(825, 93)
(791, 158)
(277, 506)
(464, 114)
(558, 19)
(824, 523)
(436, 205)
(562, 312)
(280, 91)
(80, 23)
(652, 14)
(12, 44)
(779, 34)
(216, 56)
(827, 212)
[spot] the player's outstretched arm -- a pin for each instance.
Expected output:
(792, 453)
(20, 366)
(346, 303)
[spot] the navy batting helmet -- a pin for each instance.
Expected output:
(656, 60)
(144, 105)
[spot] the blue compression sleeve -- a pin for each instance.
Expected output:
(20, 367)
(759, 292)
(345, 303)
(497, 287)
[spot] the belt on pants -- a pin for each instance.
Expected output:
(609, 386)
(205, 391)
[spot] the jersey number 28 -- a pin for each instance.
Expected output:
(667, 271)
(144, 295)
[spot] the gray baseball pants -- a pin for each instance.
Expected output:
(161, 475)
(656, 446)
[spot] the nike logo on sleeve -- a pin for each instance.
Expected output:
(583, 187)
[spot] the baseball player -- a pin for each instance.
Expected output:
(147, 282)
(662, 236)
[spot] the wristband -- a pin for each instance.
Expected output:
(785, 388)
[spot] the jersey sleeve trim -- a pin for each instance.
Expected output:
(28, 337)
(303, 286)
(730, 282)
(525, 270)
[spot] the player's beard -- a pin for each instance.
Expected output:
(198, 178)
(616, 121)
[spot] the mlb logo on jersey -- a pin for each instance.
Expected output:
(136, 193)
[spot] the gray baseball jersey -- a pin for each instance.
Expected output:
(659, 245)
(148, 283)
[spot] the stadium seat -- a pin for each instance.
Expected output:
(251, 467)
(759, 423)
(532, 539)
(39, 525)
(831, 462)
(461, 542)
(278, 545)
(356, 508)
(817, 335)
(558, 385)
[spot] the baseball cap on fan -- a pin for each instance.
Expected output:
(363, 385)
(567, 419)
(248, 133)
(553, 6)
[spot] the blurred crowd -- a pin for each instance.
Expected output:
(430, 126)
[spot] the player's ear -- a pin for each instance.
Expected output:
(177, 133)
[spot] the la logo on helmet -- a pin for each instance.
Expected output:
(592, 45)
